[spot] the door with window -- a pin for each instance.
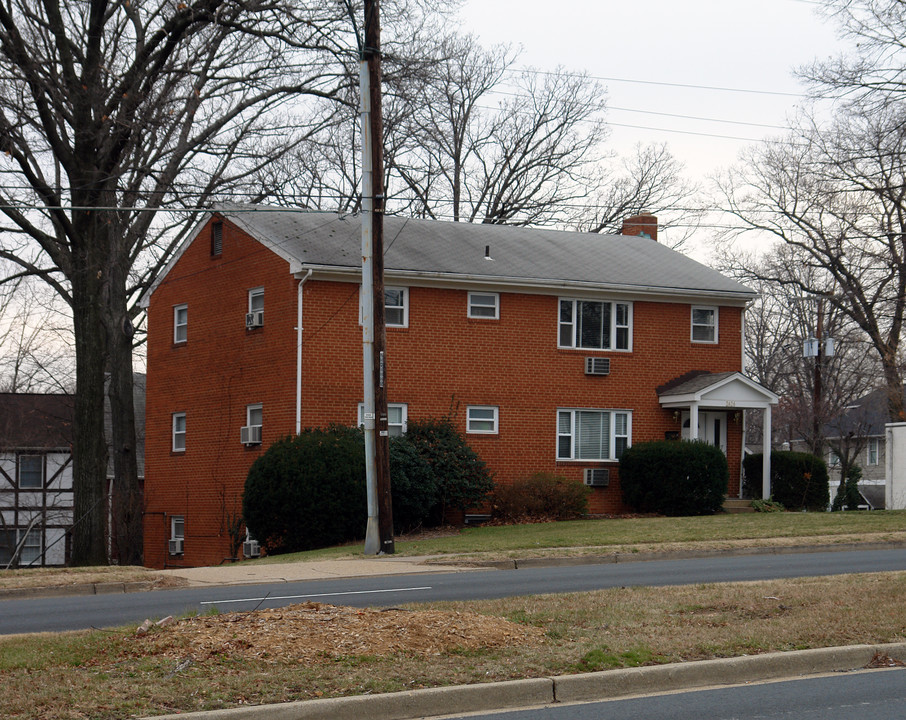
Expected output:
(712, 428)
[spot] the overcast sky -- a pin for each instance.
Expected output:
(648, 52)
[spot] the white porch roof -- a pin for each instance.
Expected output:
(716, 390)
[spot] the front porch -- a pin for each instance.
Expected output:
(706, 401)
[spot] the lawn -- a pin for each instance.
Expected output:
(608, 535)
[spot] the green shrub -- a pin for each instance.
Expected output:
(542, 496)
(674, 478)
(767, 506)
(798, 480)
(307, 491)
(463, 479)
(412, 485)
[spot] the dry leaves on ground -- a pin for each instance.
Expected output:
(309, 631)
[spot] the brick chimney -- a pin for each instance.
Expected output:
(643, 225)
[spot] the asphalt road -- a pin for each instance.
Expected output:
(79, 612)
(875, 694)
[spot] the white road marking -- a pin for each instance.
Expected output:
(299, 597)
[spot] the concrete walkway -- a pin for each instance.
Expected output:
(260, 572)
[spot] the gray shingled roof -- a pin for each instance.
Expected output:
(35, 421)
(449, 250)
(866, 417)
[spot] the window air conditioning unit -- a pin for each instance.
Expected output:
(597, 477)
(251, 548)
(176, 546)
(250, 435)
(254, 319)
(597, 366)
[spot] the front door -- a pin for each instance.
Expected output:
(712, 428)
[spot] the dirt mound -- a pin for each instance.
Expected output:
(309, 631)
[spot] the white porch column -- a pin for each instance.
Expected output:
(693, 421)
(766, 450)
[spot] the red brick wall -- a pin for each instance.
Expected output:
(438, 365)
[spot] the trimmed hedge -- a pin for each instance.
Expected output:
(674, 478)
(463, 479)
(307, 491)
(798, 480)
(543, 496)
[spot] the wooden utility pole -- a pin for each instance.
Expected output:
(377, 431)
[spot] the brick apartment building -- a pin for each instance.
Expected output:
(552, 351)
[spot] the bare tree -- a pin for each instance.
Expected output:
(836, 196)
(649, 181)
(35, 339)
(109, 111)
(778, 323)
(470, 137)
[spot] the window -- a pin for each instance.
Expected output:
(874, 450)
(397, 415)
(592, 434)
(31, 472)
(180, 323)
(481, 419)
(833, 460)
(484, 305)
(254, 415)
(216, 238)
(595, 325)
(31, 548)
(396, 308)
(256, 299)
(179, 432)
(704, 324)
(177, 534)
(177, 527)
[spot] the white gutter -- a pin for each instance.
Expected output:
(299, 352)
(431, 279)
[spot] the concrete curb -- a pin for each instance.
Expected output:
(80, 589)
(517, 563)
(607, 685)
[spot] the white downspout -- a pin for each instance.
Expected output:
(299, 352)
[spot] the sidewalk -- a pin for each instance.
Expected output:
(259, 572)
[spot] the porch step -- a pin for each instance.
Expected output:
(737, 505)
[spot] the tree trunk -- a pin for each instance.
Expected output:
(126, 495)
(89, 447)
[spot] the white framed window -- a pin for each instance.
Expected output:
(397, 416)
(31, 548)
(833, 460)
(254, 415)
(484, 305)
(179, 432)
(595, 325)
(177, 527)
(180, 323)
(873, 451)
(31, 472)
(704, 324)
(396, 306)
(481, 419)
(256, 299)
(593, 434)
